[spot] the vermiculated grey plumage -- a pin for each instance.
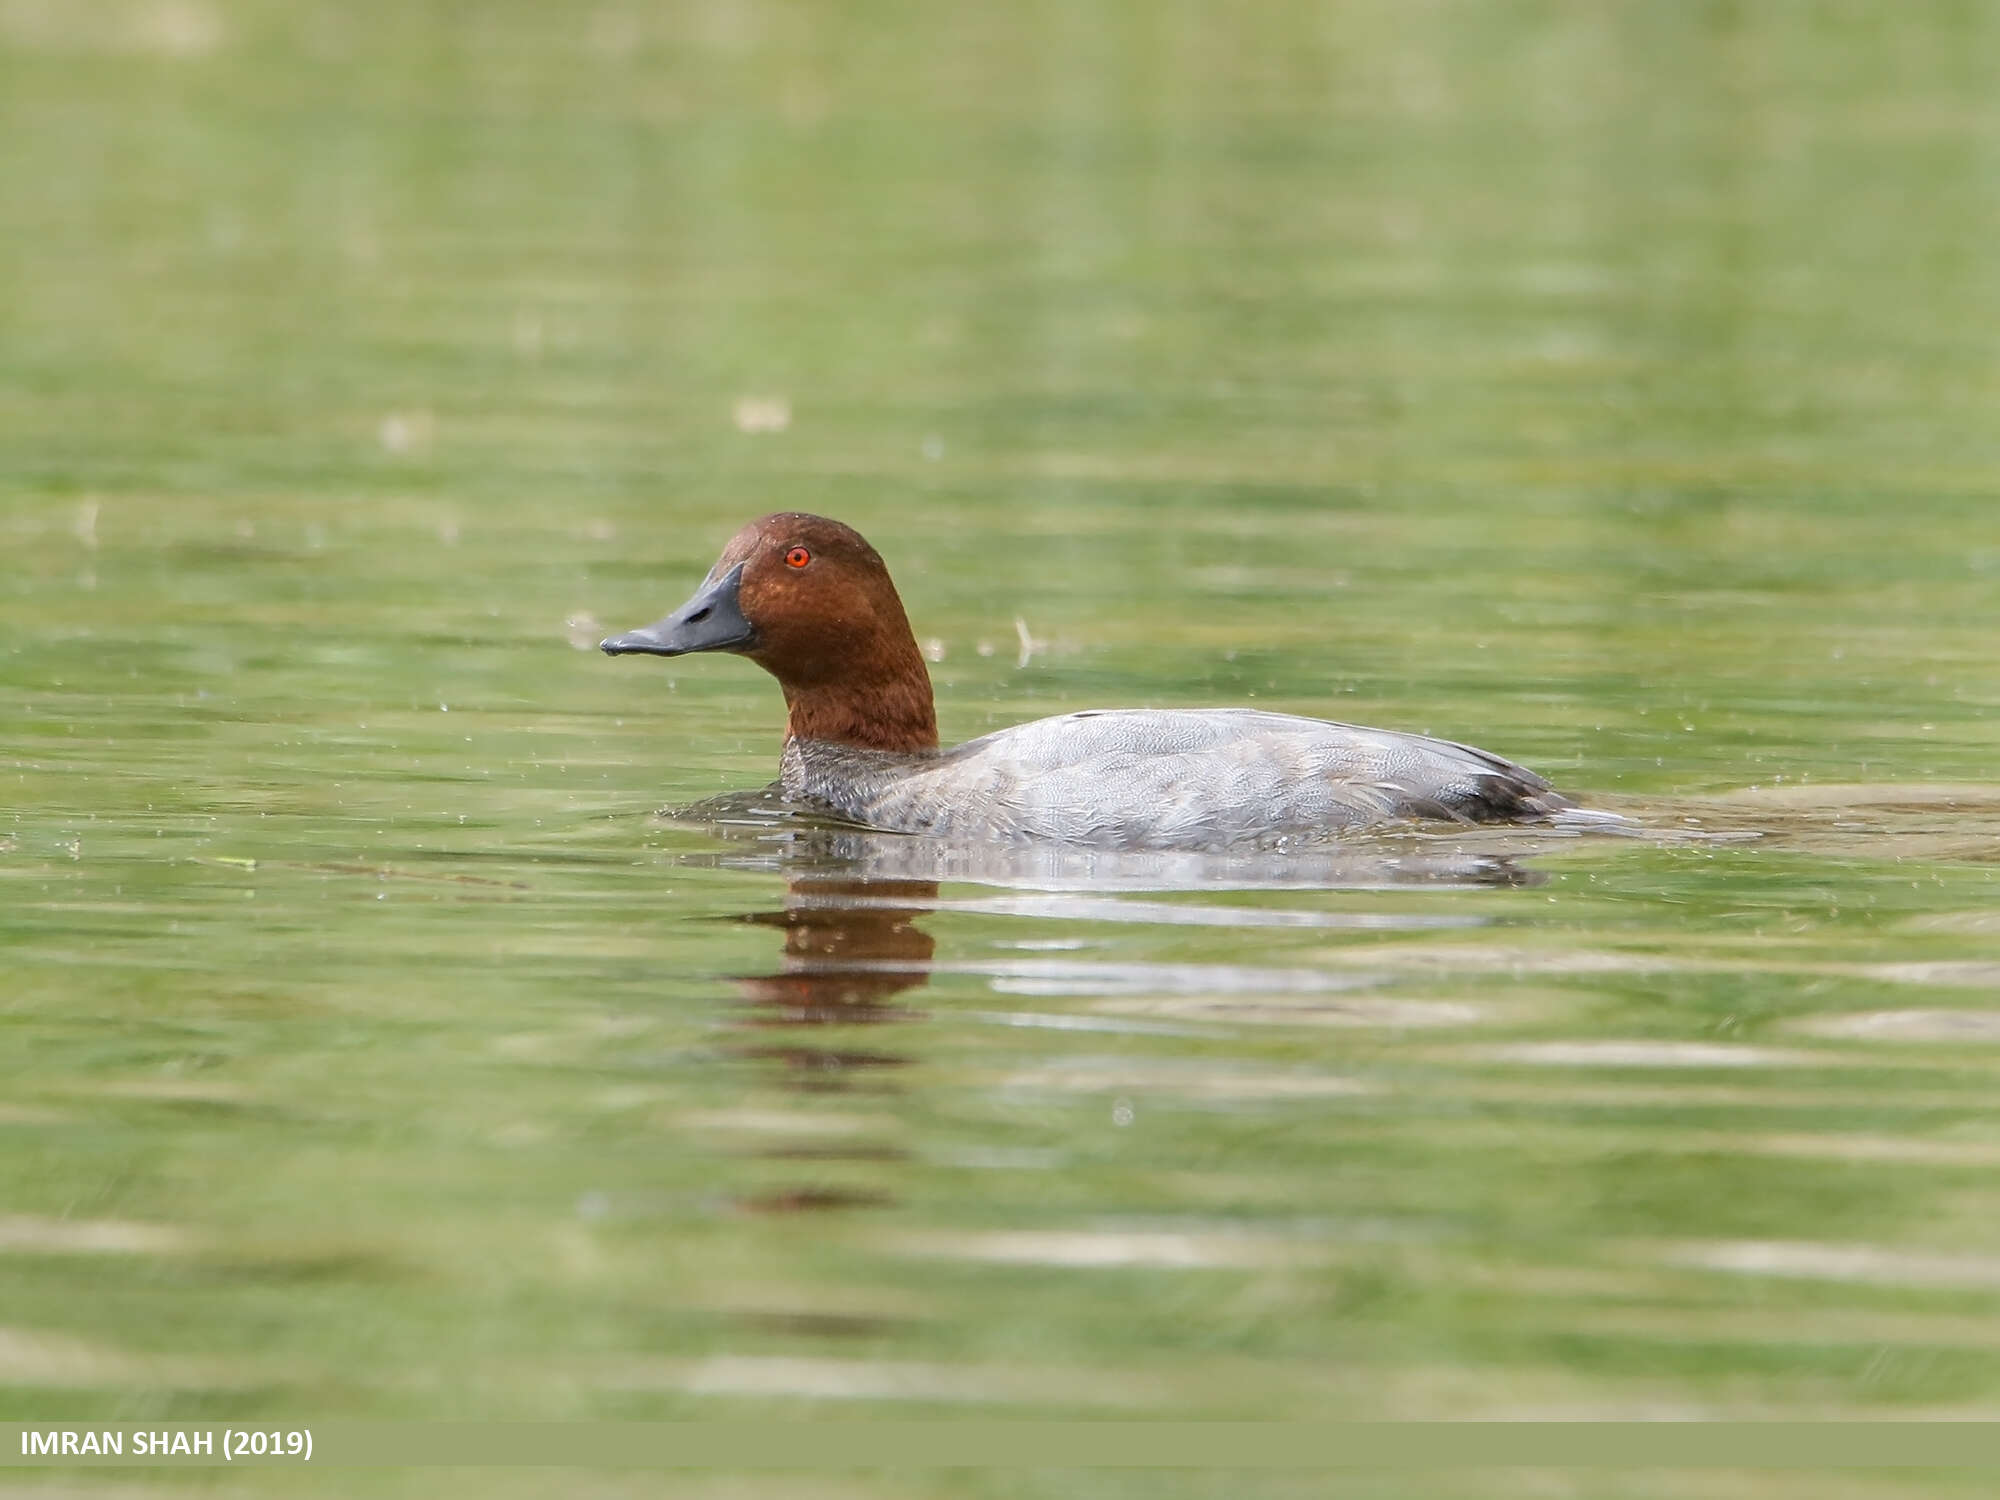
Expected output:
(1191, 778)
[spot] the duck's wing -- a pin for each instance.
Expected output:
(1415, 776)
(1216, 775)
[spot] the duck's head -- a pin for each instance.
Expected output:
(809, 600)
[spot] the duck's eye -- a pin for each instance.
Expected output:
(798, 557)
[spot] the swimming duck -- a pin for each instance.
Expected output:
(809, 600)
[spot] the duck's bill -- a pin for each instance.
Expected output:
(711, 621)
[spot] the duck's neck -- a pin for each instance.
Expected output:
(890, 710)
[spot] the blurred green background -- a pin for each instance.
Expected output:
(1613, 385)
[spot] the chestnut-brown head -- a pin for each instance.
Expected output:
(810, 601)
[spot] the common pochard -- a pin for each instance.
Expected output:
(811, 602)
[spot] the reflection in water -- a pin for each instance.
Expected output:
(805, 1323)
(853, 897)
(821, 1069)
(838, 865)
(853, 948)
(850, 945)
(806, 1199)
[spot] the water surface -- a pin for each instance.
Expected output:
(1613, 387)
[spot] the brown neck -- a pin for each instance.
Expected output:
(889, 711)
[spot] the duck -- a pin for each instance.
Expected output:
(811, 602)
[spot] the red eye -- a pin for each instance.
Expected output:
(798, 557)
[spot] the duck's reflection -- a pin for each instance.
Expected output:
(851, 946)
(854, 868)
(854, 952)
(853, 949)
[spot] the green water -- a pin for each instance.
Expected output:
(1612, 386)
